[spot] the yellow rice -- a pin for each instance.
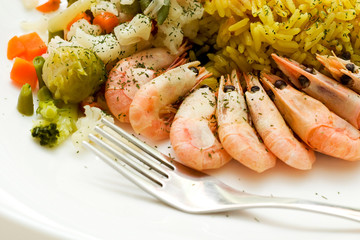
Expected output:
(245, 32)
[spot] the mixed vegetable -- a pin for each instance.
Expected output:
(85, 40)
(57, 122)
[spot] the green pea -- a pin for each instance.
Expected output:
(25, 104)
(38, 63)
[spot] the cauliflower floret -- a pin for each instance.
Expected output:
(169, 35)
(138, 29)
(192, 10)
(181, 21)
(59, 42)
(86, 125)
(104, 6)
(106, 47)
(117, 3)
(85, 26)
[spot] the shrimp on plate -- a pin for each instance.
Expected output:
(344, 71)
(150, 112)
(272, 128)
(192, 132)
(130, 73)
(237, 136)
(333, 94)
(313, 122)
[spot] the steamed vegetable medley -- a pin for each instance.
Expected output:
(85, 40)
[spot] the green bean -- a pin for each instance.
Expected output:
(54, 34)
(38, 63)
(131, 9)
(25, 104)
(144, 4)
(44, 94)
(163, 12)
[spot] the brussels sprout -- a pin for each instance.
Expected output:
(73, 73)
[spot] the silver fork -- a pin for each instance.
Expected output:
(186, 189)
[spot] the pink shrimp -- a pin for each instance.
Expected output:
(334, 95)
(132, 72)
(272, 128)
(313, 122)
(236, 134)
(152, 103)
(344, 71)
(192, 135)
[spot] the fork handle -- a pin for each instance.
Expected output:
(298, 204)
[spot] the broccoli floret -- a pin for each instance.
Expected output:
(57, 120)
(47, 134)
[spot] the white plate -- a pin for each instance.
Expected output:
(57, 193)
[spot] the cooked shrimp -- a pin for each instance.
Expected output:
(192, 135)
(237, 136)
(272, 128)
(344, 71)
(152, 103)
(334, 95)
(313, 122)
(130, 73)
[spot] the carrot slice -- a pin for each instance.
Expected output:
(23, 72)
(107, 21)
(49, 6)
(34, 45)
(15, 48)
(82, 15)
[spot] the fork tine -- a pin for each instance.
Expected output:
(146, 148)
(134, 178)
(141, 157)
(125, 158)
